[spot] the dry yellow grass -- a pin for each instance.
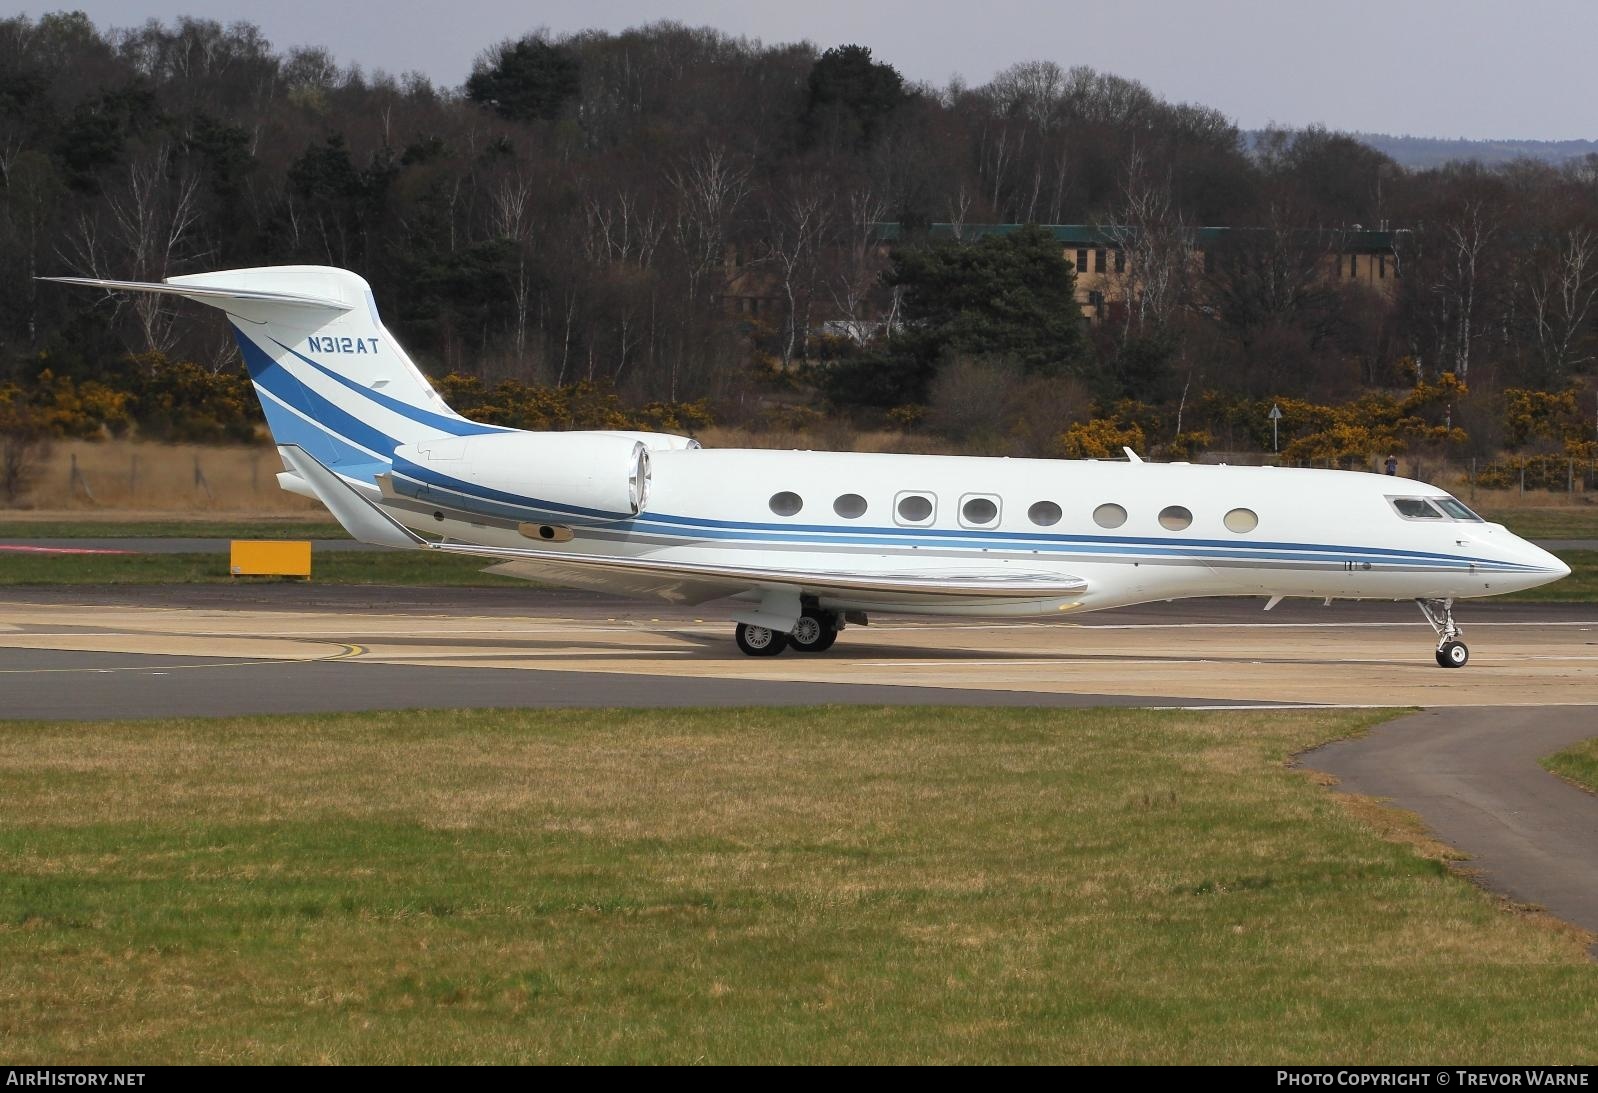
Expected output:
(838, 438)
(132, 478)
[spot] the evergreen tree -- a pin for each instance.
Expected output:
(526, 80)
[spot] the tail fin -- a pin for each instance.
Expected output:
(331, 378)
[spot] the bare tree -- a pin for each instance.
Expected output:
(1062, 179)
(959, 208)
(149, 220)
(859, 268)
(511, 219)
(1032, 89)
(1001, 149)
(1563, 290)
(1156, 246)
(797, 224)
(622, 228)
(1272, 276)
(1466, 236)
(709, 189)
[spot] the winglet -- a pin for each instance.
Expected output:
(362, 519)
(1131, 455)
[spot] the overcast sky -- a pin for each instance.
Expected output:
(1472, 68)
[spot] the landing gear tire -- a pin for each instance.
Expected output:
(1451, 652)
(815, 632)
(759, 641)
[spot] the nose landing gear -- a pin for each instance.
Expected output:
(1451, 652)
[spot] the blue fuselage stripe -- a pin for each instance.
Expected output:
(290, 428)
(454, 426)
(691, 530)
(274, 378)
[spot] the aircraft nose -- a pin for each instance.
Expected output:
(1552, 565)
(1534, 566)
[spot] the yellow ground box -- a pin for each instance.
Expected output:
(270, 558)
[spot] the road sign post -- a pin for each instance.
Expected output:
(1275, 416)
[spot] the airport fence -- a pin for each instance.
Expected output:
(134, 475)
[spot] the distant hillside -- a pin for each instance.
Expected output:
(1422, 152)
(1434, 152)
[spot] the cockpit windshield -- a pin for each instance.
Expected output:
(1415, 508)
(1432, 508)
(1456, 509)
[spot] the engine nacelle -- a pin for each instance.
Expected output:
(580, 477)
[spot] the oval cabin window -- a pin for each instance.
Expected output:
(851, 506)
(979, 511)
(1241, 521)
(1109, 516)
(1175, 518)
(786, 503)
(1044, 514)
(915, 508)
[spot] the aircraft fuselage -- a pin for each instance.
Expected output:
(1134, 532)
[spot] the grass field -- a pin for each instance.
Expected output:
(1581, 586)
(399, 567)
(1578, 763)
(823, 885)
(1548, 523)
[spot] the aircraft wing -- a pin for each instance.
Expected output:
(697, 582)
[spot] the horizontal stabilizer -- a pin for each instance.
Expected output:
(210, 294)
(363, 520)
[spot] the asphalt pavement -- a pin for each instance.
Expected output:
(1473, 775)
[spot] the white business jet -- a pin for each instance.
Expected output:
(804, 543)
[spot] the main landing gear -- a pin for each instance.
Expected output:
(815, 632)
(759, 641)
(1451, 652)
